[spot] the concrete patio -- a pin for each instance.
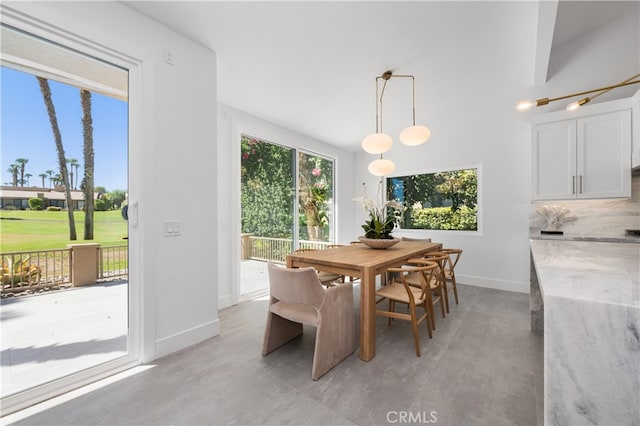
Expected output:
(49, 335)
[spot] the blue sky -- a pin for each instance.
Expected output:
(26, 131)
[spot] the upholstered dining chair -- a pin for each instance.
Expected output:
(326, 278)
(297, 298)
(400, 291)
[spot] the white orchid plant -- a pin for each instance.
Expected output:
(383, 217)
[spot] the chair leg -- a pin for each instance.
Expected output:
(279, 331)
(414, 323)
(429, 303)
(445, 291)
(455, 288)
(430, 324)
(392, 307)
(335, 341)
(441, 301)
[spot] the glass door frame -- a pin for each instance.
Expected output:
(138, 344)
(269, 137)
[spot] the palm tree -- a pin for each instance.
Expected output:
(76, 165)
(73, 163)
(28, 175)
(46, 95)
(22, 162)
(13, 169)
(50, 174)
(43, 176)
(87, 135)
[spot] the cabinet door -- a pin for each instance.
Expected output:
(554, 161)
(604, 155)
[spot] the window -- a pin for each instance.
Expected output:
(315, 188)
(444, 200)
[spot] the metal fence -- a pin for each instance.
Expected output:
(113, 261)
(32, 270)
(277, 249)
(35, 269)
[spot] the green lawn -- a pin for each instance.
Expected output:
(40, 230)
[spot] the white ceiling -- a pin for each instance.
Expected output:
(311, 66)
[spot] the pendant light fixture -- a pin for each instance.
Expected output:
(525, 105)
(379, 142)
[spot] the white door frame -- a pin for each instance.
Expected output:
(138, 344)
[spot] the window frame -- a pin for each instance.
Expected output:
(419, 232)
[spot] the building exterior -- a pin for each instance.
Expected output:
(17, 197)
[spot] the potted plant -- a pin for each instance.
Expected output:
(383, 219)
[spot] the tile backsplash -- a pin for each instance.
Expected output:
(598, 218)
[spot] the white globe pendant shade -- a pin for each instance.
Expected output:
(377, 143)
(415, 135)
(381, 167)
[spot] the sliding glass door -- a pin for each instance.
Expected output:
(65, 311)
(315, 200)
(286, 203)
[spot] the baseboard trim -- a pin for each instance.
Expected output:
(186, 338)
(225, 301)
(493, 283)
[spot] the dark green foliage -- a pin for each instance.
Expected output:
(445, 200)
(266, 188)
(463, 219)
(36, 203)
(379, 227)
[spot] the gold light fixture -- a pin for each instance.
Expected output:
(525, 105)
(379, 142)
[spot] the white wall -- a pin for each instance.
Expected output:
(487, 132)
(232, 123)
(496, 141)
(172, 149)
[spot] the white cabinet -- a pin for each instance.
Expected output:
(587, 157)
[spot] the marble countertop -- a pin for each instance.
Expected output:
(569, 237)
(596, 271)
(591, 293)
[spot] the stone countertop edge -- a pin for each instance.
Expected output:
(609, 239)
(602, 272)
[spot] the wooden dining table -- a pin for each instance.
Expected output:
(360, 261)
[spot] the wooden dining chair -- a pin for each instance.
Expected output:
(450, 274)
(400, 291)
(326, 278)
(436, 284)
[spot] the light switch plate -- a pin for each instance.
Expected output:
(172, 228)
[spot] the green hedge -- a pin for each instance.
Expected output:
(463, 219)
(36, 203)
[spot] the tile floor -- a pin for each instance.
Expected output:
(482, 367)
